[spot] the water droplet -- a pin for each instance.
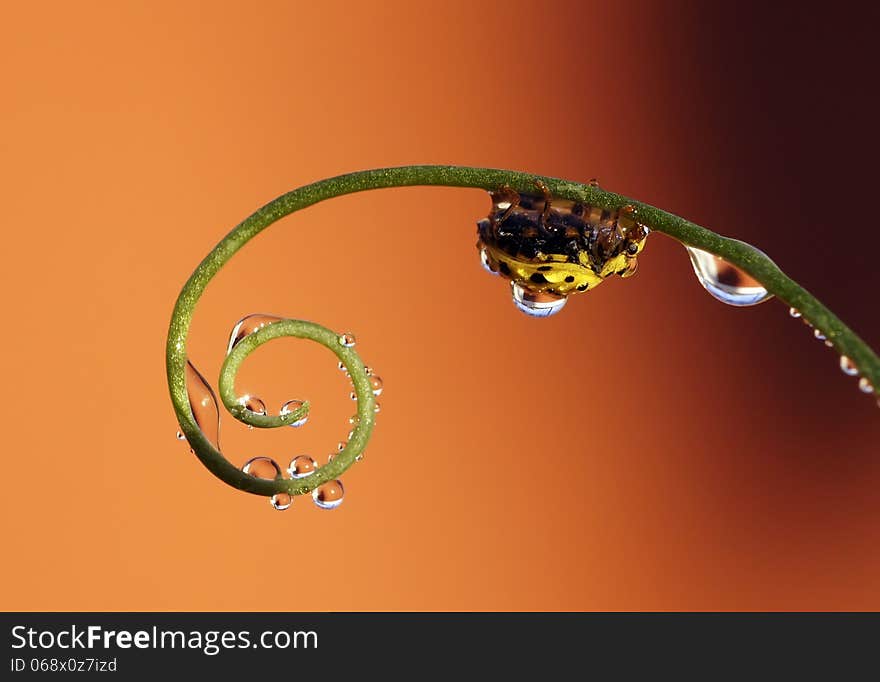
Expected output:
(794, 312)
(536, 304)
(484, 261)
(360, 457)
(248, 325)
(376, 407)
(594, 182)
(281, 501)
(180, 436)
(262, 467)
(368, 371)
(329, 495)
(253, 404)
(376, 384)
(340, 446)
(865, 385)
(725, 281)
(302, 466)
(347, 339)
(342, 367)
(848, 367)
(350, 435)
(819, 335)
(292, 406)
(354, 419)
(203, 403)
(353, 395)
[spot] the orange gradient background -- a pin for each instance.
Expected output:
(648, 448)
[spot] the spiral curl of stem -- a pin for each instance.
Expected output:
(753, 262)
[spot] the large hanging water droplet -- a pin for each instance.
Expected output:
(536, 304)
(248, 325)
(347, 339)
(302, 466)
(281, 501)
(292, 406)
(848, 367)
(203, 404)
(725, 281)
(376, 384)
(262, 467)
(329, 495)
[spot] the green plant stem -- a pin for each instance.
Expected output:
(753, 262)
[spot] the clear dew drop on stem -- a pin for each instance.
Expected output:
(865, 385)
(290, 407)
(248, 325)
(726, 282)
(281, 501)
(376, 384)
(253, 404)
(329, 495)
(262, 467)
(180, 436)
(347, 339)
(302, 466)
(203, 404)
(848, 367)
(536, 304)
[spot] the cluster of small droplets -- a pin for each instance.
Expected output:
(329, 495)
(326, 496)
(847, 366)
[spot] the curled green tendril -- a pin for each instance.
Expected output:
(742, 255)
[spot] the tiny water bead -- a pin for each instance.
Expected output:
(290, 407)
(726, 282)
(253, 404)
(353, 395)
(819, 335)
(865, 385)
(329, 495)
(342, 367)
(262, 467)
(376, 384)
(180, 436)
(302, 466)
(281, 501)
(341, 446)
(203, 404)
(848, 367)
(536, 304)
(354, 419)
(248, 325)
(794, 312)
(347, 339)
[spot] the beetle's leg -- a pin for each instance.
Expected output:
(512, 196)
(546, 192)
